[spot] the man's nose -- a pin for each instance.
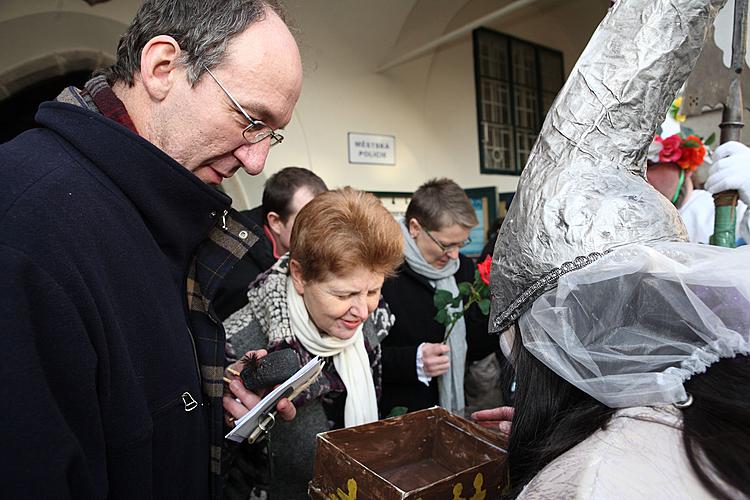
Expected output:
(252, 157)
(452, 253)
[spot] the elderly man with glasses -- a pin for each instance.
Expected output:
(112, 245)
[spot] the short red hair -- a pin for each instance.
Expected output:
(344, 229)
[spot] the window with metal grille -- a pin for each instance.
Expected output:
(516, 82)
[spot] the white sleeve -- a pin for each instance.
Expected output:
(421, 375)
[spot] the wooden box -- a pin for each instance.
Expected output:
(428, 455)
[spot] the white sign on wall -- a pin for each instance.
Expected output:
(372, 149)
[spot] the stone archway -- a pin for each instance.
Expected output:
(41, 80)
(50, 51)
(50, 44)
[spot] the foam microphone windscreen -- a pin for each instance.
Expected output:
(272, 369)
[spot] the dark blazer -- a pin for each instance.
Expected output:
(232, 294)
(101, 384)
(410, 297)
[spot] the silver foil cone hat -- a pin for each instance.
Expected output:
(583, 191)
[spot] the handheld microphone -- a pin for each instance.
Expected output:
(270, 370)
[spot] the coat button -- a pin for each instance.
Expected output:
(243, 234)
(212, 214)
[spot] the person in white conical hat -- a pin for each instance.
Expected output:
(630, 344)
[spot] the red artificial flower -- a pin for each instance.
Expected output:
(671, 150)
(484, 269)
(693, 153)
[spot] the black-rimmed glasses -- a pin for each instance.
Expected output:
(256, 131)
(447, 248)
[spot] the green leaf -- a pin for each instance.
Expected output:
(456, 302)
(686, 131)
(397, 411)
(711, 139)
(457, 315)
(484, 306)
(442, 317)
(464, 288)
(442, 298)
(692, 143)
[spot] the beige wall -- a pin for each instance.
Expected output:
(428, 103)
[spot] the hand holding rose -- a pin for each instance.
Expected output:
(435, 361)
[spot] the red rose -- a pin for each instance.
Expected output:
(484, 269)
(693, 153)
(671, 148)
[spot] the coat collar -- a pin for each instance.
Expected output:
(262, 253)
(406, 269)
(177, 207)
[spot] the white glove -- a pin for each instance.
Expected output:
(731, 170)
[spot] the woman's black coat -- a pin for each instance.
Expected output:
(410, 297)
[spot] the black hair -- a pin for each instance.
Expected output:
(552, 416)
(716, 427)
(281, 186)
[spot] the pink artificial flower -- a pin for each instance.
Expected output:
(671, 151)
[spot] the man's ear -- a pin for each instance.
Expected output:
(158, 63)
(414, 227)
(295, 270)
(274, 222)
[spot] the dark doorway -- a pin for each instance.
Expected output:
(17, 112)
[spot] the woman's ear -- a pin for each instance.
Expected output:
(414, 227)
(158, 63)
(295, 270)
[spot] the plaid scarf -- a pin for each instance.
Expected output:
(226, 244)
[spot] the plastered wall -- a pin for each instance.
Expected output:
(427, 103)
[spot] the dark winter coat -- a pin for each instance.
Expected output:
(410, 297)
(232, 294)
(99, 363)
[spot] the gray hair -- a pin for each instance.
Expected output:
(203, 28)
(439, 203)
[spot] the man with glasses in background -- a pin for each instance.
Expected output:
(420, 370)
(112, 244)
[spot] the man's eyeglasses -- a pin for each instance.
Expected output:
(256, 131)
(447, 248)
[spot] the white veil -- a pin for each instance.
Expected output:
(631, 327)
